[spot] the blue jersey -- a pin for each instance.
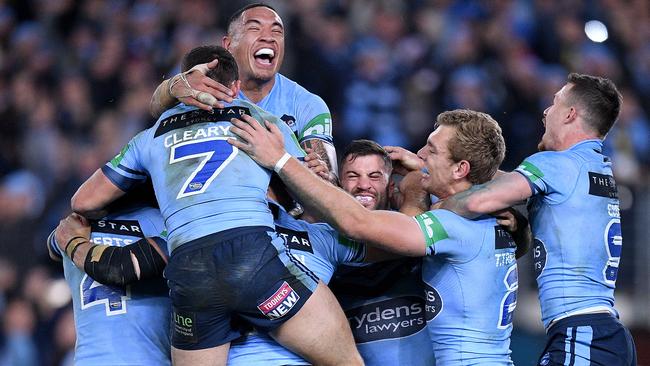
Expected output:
(384, 303)
(574, 216)
(304, 112)
(120, 325)
(317, 247)
(470, 275)
(203, 184)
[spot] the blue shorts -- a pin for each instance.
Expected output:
(591, 339)
(243, 274)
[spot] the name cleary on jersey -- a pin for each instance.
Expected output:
(200, 133)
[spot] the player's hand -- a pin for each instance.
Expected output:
(200, 90)
(507, 219)
(316, 164)
(414, 198)
(264, 144)
(71, 226)
(404, 161)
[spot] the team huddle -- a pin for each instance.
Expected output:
(228, 234)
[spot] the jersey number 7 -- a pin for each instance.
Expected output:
(215, 153)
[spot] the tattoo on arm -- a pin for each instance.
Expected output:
(161, 100)
(318, 146)
(458, 202)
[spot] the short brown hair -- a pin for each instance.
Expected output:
(226, 71)
(364, 148)
(600, 99)
(477, 139)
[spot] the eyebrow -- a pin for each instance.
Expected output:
(275, 23)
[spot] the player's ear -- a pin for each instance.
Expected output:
(461, 170)
(572, 114)
(235, 86)
(225, 42)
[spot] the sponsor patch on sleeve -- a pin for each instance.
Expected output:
(319, 125)
(115, 162)
(431, 228)
(530, 171)
(280, 303)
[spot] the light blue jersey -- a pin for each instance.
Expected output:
(304, 112)
(120, 325)
(574, 216)
(470, 275)
(317, 247)
(203, 184)
(384, 303)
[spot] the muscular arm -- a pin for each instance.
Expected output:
(110, 265)
(504, 191)
(94, 195)
(327, 153)
(388, 230)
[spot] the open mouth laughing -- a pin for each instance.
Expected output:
(265, 56)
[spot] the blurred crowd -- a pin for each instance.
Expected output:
(76, 78)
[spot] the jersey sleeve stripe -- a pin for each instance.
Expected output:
(123, 182)
(54, 247)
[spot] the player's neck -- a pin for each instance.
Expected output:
(456, 187)
(256, 90)
(573, 137)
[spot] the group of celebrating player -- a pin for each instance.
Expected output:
(219, 268)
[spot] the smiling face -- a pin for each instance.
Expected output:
(437, 160)
(256, 40)
(366, 178)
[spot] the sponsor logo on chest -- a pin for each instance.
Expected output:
(388, 319)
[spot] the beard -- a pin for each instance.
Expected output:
(541, 146)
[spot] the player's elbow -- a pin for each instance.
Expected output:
(81, 204)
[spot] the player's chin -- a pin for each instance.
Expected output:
(264, 74)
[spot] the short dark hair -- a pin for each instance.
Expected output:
(237, 15)
(477, 139)
(365, 148)
(226, 71)
(600, 99)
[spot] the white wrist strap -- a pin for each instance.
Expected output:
(280, 164)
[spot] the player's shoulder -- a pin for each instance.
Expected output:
(299, 92)
(552, 159)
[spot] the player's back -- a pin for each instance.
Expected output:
(305, 113)
(120, 325)
(471, 290)
(384, 303)
(203, 184)
(577, 229)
